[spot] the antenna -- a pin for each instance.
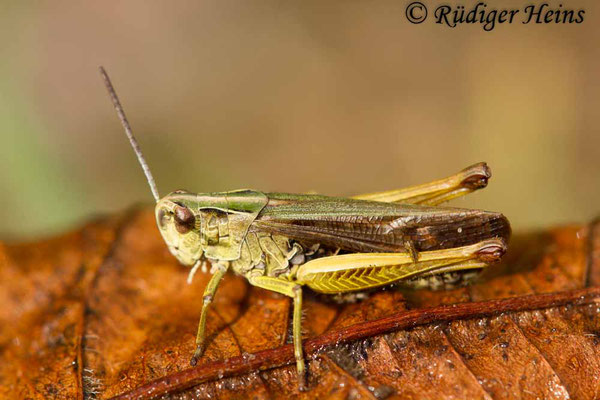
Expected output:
(129, 133)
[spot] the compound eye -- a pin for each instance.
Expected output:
(184, 219)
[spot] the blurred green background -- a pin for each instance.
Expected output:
(336, 97)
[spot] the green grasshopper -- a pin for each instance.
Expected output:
(281, 242)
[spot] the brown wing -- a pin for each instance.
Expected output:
(370, 226)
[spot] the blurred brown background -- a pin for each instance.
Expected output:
(336, 97)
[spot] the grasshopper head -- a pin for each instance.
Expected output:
(179, 226)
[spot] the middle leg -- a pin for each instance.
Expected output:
(294, 291)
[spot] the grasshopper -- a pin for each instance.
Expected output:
(282, 242)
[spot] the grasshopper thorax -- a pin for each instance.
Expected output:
(213, 225)
(179, 224)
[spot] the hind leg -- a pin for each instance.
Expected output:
(433, 193)
(360, 271)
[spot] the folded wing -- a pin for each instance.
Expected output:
(371, 226)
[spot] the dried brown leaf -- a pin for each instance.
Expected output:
(105, 312)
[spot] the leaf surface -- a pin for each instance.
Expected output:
(105, 311)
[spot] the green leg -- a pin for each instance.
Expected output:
(297, 333)
(293, 290)
(209, 293)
